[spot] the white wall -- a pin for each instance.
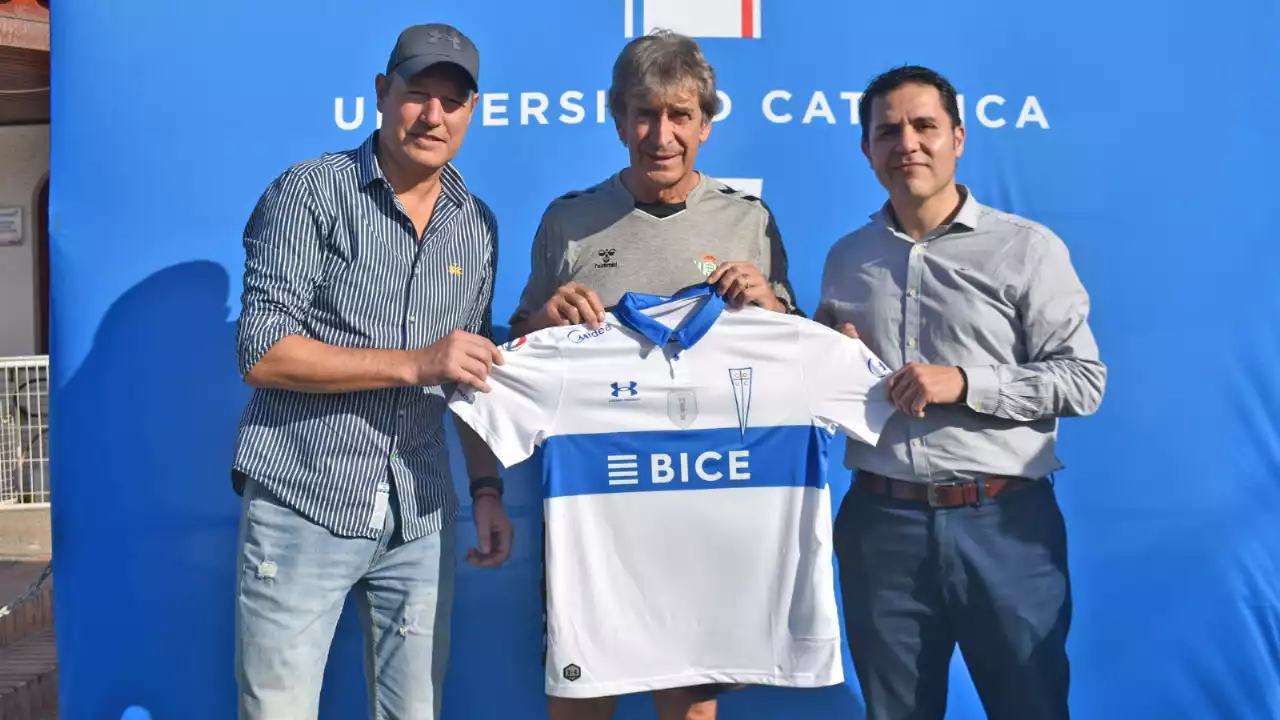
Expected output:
(24, 161)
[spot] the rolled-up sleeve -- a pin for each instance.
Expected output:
(283, 244)
(1064, 376)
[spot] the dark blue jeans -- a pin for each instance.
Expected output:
(991, 578)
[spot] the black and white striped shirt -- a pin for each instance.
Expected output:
(331, 255)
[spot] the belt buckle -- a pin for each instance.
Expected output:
(931, 491)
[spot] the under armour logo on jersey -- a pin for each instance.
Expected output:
(628, 389)
(572, 672)
(741, 380)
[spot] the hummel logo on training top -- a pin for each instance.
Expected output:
(606, 258)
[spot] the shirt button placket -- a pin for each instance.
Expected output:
(412, 338)
(911, 341)
(911, 315)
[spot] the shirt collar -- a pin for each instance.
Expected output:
(629, 312)
(969, 210)
(369, 171)
(966, 219)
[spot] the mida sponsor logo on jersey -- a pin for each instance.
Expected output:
(580, 335)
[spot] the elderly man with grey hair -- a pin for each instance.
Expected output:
(657, 226)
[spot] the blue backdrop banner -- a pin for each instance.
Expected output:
(1138, 132)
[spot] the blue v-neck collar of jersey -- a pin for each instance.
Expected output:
(629, 313)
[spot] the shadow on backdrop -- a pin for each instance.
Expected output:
(144, 517)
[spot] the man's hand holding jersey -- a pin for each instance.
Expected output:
(459, 357)
(740, 283)
(572, 304)
(918, 385)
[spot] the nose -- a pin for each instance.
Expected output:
(908, 140)
(433, 112)
(665, 131)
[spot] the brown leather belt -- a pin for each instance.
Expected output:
(945, 494)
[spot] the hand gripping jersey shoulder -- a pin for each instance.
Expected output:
(688, 518)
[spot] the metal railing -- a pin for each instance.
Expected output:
(24, 430)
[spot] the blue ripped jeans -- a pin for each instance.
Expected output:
(293, 579)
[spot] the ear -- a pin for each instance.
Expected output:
(622, 132)
(706, 131)
(959, 140)
(381, 87)
(866, 150)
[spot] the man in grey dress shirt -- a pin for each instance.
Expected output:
(951, 533)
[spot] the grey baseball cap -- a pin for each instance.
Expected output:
(421, 46)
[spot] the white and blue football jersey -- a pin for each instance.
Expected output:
(688, 520)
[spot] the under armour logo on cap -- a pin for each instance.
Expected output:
(435, 35)
(422, 46)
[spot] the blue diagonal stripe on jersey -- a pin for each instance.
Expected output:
(722, 458)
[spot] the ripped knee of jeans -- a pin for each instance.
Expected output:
(266, 570)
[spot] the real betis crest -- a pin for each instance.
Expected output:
(707, 265)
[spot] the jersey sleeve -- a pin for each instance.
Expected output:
(519, 410)
(846, 383)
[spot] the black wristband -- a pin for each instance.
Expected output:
(486, 482)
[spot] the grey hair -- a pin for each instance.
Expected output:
(654, 64)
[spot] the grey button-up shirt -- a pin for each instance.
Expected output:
(992, 293)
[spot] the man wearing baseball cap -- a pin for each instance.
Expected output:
(368, 283)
